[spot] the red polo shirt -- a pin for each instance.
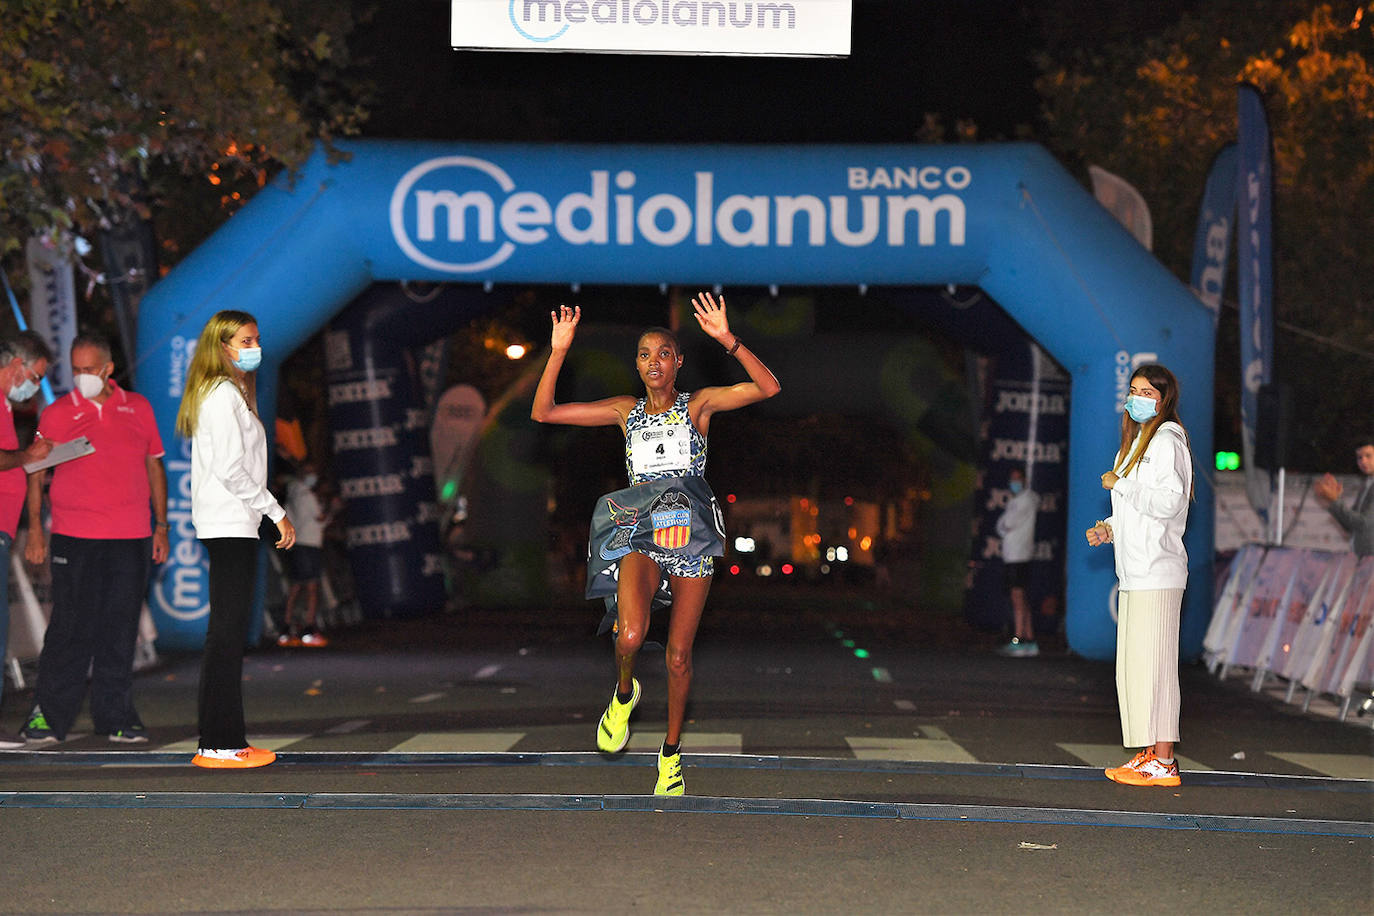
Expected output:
(104, 494)
(13, 483)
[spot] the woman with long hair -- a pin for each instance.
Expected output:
(661, 525)
(1151, 484)
(229, 497)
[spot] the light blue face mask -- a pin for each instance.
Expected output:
(249, 359)
(23, 391)
(1015, 487)
(1141, 408)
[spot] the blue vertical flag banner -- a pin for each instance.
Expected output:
(1255, 271)
(1216, 221)
(1025, 420)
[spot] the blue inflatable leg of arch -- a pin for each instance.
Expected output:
(381, 443)
(1004, 217)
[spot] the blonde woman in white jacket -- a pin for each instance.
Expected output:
(1151, 484)
(229, 497)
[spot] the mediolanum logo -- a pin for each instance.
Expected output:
(548, 20)
(462, 214)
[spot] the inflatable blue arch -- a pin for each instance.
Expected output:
(1006, 217)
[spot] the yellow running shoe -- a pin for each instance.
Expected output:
(669, 775)
(614, 731)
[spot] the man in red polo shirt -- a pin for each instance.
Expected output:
(23, 363)
(103, 535)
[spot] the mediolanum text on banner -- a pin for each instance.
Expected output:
(769, 28)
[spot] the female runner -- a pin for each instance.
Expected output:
(1151, 483)
(661, 416)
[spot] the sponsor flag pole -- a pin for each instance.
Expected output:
(1216, 219)
(1123, 201)
(1255, 176)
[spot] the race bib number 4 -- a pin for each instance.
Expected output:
(663, 449)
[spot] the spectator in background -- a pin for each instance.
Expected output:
(103, 536)
(304, 563)
(24, 361)
(1016, 528)
(1358, 517)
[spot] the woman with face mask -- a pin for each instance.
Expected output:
(229, 497)
(1151, 484)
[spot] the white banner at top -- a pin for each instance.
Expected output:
(774, 28)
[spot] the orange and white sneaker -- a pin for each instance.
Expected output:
(1153, 772)
(1134, 763)
(242, 758)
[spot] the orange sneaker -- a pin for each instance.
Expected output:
(1153, 772)
(242, 758)
(1134, 763)
(313, 638)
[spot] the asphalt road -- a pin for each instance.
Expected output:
(842, 755)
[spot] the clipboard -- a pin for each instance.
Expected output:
(62, 452)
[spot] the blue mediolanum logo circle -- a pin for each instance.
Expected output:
(515, 23)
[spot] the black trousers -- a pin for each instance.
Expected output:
(233, 575)
(98, 586)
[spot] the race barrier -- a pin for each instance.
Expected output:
(1300, 615)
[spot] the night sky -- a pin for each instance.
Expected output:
(964, 60)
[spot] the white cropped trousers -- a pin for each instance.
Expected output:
(1147, 665)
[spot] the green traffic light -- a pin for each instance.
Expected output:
(1228, 461)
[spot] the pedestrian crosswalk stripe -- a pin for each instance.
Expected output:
(344, 728)
(692, 742)
(1341, 766)
(461, 742)
(937, 750)
(426, 698)
(1114, 755)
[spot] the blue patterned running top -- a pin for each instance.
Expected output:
(664, 444)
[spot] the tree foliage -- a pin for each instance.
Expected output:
(1155, 109)
(112, 105)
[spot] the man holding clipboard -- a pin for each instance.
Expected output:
(109, 518)
(23, 363)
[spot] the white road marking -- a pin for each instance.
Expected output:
(1341, 766)
(939, 750)
(692, 742)
(460, 742)
(426, 698)
(344, 728)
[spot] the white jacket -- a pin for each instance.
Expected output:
(1150, 511)
(229, 493)
(1016, 527)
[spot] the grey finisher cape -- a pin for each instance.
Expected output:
(676, 516)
